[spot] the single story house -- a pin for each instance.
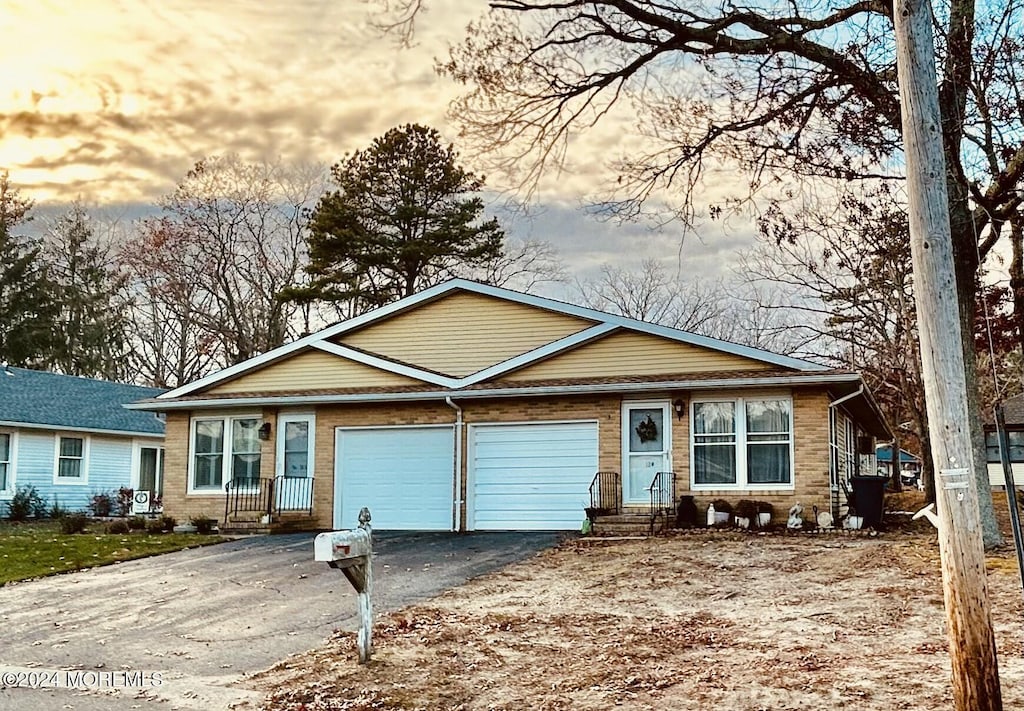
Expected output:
(71, 437)
(910, 464)
(470, 407)
(1013, 415)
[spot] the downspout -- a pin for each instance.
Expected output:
(833, 496)
(458, 462)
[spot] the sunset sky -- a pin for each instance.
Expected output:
(113, 101)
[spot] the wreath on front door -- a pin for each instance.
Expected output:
(647, 430)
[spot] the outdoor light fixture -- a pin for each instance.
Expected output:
(680, 407)
(264, 432)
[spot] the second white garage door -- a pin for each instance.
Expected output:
(531, 477)
(403, 474)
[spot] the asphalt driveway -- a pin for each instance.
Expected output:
(196, 622)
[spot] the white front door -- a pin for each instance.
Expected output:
(148, 472)
(646, 448)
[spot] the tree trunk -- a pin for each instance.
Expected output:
(895, 478)
(1017, 274)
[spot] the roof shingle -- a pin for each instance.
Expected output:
(39, 398)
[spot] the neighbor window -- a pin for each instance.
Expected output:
(70, 460)
(743, 442)
(1015, 440)
(225, 449)
(5, 461)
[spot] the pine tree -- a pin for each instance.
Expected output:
(90, 331)
(26, 292)
(405, 216)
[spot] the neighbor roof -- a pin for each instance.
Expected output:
(35, 398)
(604, 324)
(884, 454)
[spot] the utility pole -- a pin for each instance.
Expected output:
(972, 647)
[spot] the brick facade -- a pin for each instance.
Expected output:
(811, 444)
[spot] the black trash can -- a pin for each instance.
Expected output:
(869, 498)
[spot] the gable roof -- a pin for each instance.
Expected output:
(39, 399)
(603, 324)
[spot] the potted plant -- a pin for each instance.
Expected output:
(853, 522)
(764, 514)
(746, 513)
(723, 511)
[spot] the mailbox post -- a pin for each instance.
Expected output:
(351, 552)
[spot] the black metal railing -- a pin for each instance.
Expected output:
(294, 493)
(663, 495)
(248, 496)
(605, 494)
(266, 497)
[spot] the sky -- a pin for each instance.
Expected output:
(112, 101)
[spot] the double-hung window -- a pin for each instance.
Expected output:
(1015, 440)
(6, 461)
(70, 466)
(225, 449)
(743, 443)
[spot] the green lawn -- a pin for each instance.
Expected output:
(32, 550)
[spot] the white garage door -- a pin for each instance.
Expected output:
(533, 477)
(403, 474)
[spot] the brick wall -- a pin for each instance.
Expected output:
(811, 455)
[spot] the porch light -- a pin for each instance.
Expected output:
(264, 431)
(680, 407)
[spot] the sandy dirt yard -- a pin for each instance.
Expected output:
(710, 620)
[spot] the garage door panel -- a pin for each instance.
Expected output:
(403, 475)
(532, 477)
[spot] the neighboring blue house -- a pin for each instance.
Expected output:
(71, 438)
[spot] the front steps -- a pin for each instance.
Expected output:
(636, 522)
(255, 524)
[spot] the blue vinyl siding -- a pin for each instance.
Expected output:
(108, 467)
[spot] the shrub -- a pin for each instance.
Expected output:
(72, 523)
(101, 504)
(137, 523)
(155, 525)
(120, 526)
(125, 497)
(722, 506)
(25, 503)
(203, 524)
(57, 511)
(168, 523)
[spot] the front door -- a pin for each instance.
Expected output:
(150, 473)
(646, 447)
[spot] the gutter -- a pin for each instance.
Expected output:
(458, 462)
(856, 393)
(593, 389)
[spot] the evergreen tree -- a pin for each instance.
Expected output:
(90, 330)
(26, 299)
(405, 216)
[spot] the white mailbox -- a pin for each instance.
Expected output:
(351, 552)
(336, 548)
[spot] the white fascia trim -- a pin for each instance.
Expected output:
(602, 388)
(536, 354)
(86, 430)
(388, 365)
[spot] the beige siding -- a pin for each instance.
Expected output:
(464, 333)
(630, 353)
(312, 370)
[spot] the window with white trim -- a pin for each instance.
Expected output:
(70, 466)
(224, 449)
(742, 443)
(6, 461)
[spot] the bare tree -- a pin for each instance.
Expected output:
(207, 274)
(524, 265)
